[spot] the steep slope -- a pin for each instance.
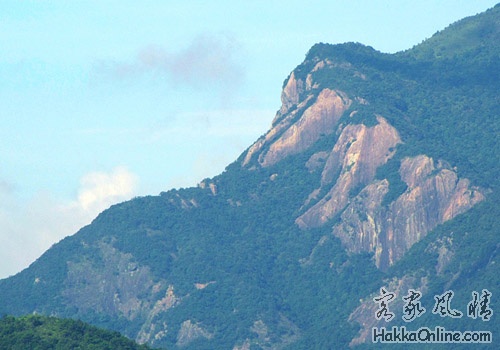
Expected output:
(378, 171)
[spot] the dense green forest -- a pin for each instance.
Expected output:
(225, 263)
(38, 332)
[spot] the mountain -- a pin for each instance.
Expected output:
(41, 332)
(379, 171)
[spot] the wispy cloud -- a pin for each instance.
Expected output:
(243, 124)
(29, 228)
(206, 62)
(5, 188)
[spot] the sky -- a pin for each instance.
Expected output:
(102, 101)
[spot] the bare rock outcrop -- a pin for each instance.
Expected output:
(115, 288)
(317, 120)
(434, 195)
(348, 191)
(353, 162)
(191, 331)
(290, 96)
(152, 331)
(289, 136)
(306, 114)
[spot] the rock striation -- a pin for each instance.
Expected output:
(299, 123)
(349, 198)
(434, 195)
(352, 162)
(359, 164)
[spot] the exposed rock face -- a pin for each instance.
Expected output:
(348, 196)
(317, 161)
(434, 195)
(120, 287)
(290, 95)
(299, 124)
(223, 245)
(353, 162)
(361, 221)
(150, 331)
(319, 119)
(191, 331)
(203, 285)
(116, 288)
(282, 334)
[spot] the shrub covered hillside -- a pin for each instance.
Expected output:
(43, 333)
(378, 171)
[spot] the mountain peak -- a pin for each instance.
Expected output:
(378, 171)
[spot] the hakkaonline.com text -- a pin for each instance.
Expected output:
(427, 335)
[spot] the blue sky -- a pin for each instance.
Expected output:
(101, 101)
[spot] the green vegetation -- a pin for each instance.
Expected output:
(441, 96)
(37, 332)
(390, 171)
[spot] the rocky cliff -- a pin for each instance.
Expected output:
(349, 198)
(378, 171)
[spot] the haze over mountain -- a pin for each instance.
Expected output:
(379, 170)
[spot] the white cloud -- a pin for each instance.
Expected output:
(29, 228)
(99, 190)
